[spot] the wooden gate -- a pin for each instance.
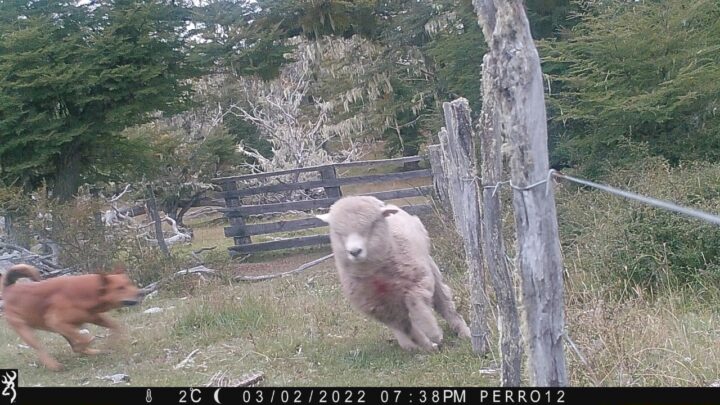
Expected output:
(330, 179)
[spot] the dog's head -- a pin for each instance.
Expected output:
(119, 289)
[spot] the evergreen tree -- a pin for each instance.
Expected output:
(73, 75)
(635, 76)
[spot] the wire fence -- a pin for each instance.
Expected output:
(666, 205)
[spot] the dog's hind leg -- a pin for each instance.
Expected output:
(26, 334)
(443, 303)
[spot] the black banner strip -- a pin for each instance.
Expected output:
(364, 395)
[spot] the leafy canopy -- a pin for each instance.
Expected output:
(72, 76)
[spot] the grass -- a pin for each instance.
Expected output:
(298, 331)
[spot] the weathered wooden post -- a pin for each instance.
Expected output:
(491, 169)
(516, 79)
(329, 173)
(236, 222)
(440, 182)
(457, 147)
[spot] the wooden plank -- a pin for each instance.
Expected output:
(281, 244)
(380, 162)
(360, 163)
(267, 174)
(273, 227)
(305, 223)
(521, 111)
(309, 240)
(319, 203)
(367, 179)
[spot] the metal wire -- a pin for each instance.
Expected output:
(667, 205)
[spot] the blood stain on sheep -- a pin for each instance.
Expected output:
(381, 287)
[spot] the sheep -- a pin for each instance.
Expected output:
(382, 255)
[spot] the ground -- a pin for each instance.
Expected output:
(298, 330)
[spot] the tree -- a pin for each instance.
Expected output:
(637, 76)
(73, 76)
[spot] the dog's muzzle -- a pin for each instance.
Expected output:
(129, 303)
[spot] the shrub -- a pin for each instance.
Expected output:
(624, 242)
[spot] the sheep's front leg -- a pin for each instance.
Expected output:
(424, 329)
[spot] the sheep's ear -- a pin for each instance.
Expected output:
(387, 211)
(324, 217)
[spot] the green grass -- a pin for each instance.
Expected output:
(297, 331)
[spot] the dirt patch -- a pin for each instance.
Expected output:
(282, 264)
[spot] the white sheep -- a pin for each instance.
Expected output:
(382, 255)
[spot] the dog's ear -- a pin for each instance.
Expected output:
(118, 268)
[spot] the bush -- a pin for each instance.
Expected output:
(623, 242)
(632, 72)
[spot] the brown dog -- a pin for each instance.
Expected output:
(63, 305)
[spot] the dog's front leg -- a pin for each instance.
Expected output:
(80, 343)
(116, 331)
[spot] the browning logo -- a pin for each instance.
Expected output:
(8, 379)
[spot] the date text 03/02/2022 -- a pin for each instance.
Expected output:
(388, 396)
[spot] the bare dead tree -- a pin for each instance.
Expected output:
(152, 210)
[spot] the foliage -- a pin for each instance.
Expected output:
(74, 75)
(182, 166)
(634, 73)
(638, 245)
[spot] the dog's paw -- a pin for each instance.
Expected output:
(91, 352)
(53, 365)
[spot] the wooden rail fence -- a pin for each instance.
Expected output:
(235, 189)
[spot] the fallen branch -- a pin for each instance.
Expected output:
(221, 379)
(591, 371)
(193, 270)
(195, 254)
(47, 268)
(186, 360)
(250, 380)
(271, 276)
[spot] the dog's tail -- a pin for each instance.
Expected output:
(443, 303)
(19, 271)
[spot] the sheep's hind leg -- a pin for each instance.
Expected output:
(443, 303)
(404, 340)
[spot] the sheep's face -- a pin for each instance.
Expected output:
(358, 227)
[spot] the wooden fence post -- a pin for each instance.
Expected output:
(329, 173)
(491, 169)
(518, 86)
(237, 222)
(457, 147)
(440, 182)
